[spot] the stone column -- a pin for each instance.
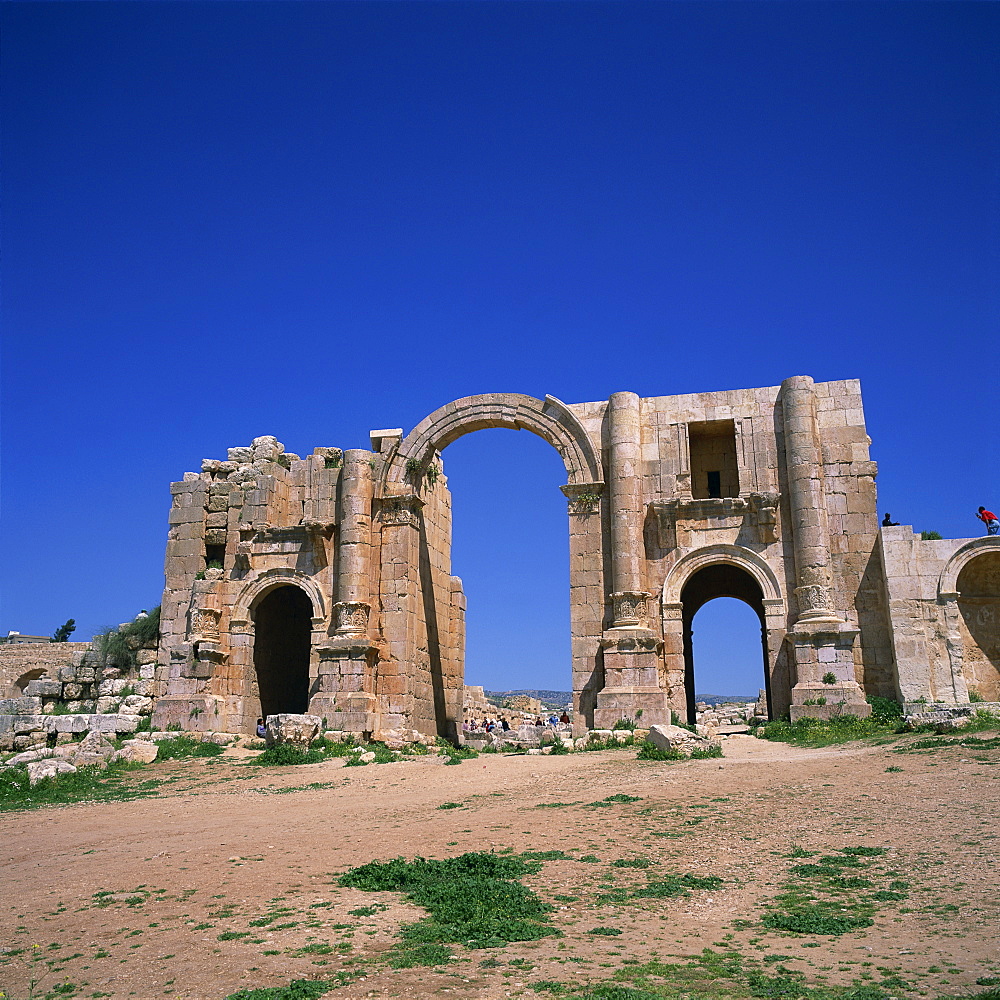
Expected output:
(822, 644)
(625, 497)
(354, 545)
(632, 650)
(807, 503)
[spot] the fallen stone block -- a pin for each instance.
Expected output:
(137, 751)
(675, 738)
(296, 730)
(40, 769)
(30, 755)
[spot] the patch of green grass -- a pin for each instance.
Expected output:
(298, 989)
(180, 747)
(286, 755)
(450, 805)
(473, 899)
(87, 784)
(649, 751)
(676, 885)
(639, 862)
(368, 911)
(821, 898)
(411, 956)
(605, 931)
(815, 918)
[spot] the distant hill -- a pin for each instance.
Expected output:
(721, 699)
(559, 699)
(550, 699)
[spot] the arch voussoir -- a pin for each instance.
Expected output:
(550, 419)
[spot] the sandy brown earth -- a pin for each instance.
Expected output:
(223, 843)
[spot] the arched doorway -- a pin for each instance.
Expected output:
(707, 584)
(978, 587)
(282, 635)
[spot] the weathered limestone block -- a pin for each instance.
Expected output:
(48, 769)
(676, 738)
(43, 688)
(137, 704)
(20, 706)
(72, 692)
(19, 760)
(296, 730)
(114, 723)
(69, 723)
(137, 751)
(107, 705)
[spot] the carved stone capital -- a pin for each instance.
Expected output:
(402, 509)
(205, 622)
(351, 617)
(815, 603)
(631, 608)
(583, 498)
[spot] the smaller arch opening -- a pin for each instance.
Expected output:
(18, 686)
(282, 640)
(978, 588)
(746, 626)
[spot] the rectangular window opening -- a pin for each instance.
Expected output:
(215, 556)
(714, 472)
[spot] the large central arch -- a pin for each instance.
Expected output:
(549, 418)
(434, 638)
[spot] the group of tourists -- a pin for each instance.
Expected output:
(502, 725)
(988, 518)
(486, 725)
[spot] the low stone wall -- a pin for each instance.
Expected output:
(23, 731)
(20, 658)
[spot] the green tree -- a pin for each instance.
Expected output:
(63, 633)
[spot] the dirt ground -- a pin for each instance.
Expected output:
(156, 897)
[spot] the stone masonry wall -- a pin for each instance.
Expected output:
(18, 659)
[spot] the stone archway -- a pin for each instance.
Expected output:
(704, 585)
(281, 649)
(415, 555)
(978, 587)
(724, 570)
(549, 418)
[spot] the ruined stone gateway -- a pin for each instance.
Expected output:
(323, 584)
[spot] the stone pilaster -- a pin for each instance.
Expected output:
(354, 545)
(344, 688)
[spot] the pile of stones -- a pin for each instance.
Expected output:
(94, 750)
(731, 718)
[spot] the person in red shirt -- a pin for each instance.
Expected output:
(990, 520)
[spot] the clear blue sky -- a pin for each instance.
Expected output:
(312, 219)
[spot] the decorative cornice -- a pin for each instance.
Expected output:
(583, 498)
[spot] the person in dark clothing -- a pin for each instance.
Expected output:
(888, 522)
